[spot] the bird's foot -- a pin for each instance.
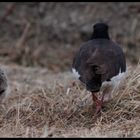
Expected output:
(98, 103)
(98, 108)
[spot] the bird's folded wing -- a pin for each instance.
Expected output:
(107, 64)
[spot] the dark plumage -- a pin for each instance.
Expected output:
(3, 85)
(98, 59)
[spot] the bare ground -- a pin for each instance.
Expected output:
(44, 104)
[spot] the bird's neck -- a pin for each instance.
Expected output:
(100, 35)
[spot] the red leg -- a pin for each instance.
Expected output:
(98, 103)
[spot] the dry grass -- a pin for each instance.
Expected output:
(49, 106)
(54, 31)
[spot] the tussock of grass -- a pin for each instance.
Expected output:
(68, 111)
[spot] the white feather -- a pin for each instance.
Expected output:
(113, 85)
(115, 80)
(76, 74)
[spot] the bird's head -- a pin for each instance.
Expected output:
(100, 30)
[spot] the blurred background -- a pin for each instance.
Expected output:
(47, 34)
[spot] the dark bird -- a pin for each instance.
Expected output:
(3, 85)
(97, 61)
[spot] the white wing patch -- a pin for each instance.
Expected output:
(116, 79)
(113, 85)
(76, 74)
